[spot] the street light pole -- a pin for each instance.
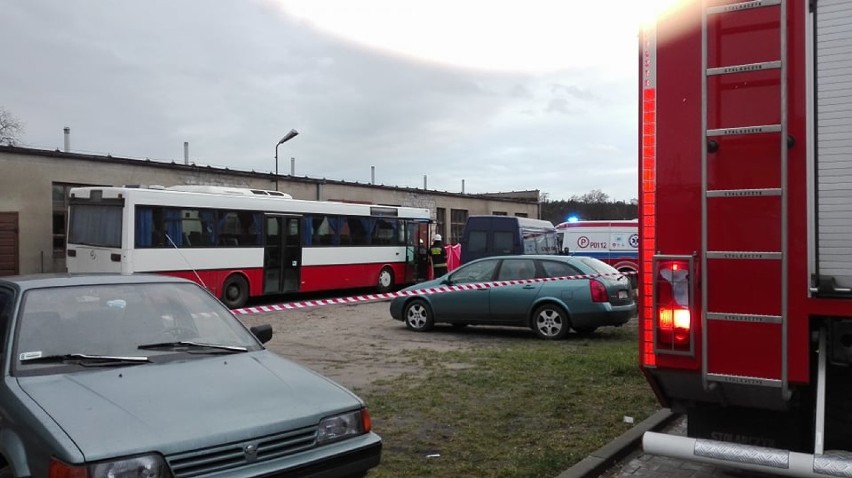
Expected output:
(287, 137)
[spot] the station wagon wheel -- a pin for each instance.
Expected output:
(550, 322)
(235, 291)
(385, 283)
(418, 316)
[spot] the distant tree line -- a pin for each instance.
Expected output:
(594, 205)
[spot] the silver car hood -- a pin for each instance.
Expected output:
(185, 405)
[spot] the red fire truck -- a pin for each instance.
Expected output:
(746, 232)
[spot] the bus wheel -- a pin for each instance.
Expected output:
(385, 282)
(235, 291)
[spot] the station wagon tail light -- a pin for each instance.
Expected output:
(673, 294)
(598, 291)
(143, 466)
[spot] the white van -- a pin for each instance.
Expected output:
(614, 242)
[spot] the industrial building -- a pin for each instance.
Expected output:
(35, 183)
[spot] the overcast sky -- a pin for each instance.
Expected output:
(527, 95)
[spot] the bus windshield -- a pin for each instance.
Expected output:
(95, 225)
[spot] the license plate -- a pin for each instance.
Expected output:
(622, 294)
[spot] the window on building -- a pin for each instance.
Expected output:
(60, 192)
(457, 219)
(521, 214)
(499, 213)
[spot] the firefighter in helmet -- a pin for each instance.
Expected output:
(439, 257)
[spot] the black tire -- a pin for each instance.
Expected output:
(385, 280)
(235, 291)
(550, 322)
(418, 316)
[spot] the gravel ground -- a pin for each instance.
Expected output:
(356, 345)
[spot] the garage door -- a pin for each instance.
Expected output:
(8, 243)
(834, 143)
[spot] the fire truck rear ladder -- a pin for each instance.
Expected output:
(777, 461)
(720, 195)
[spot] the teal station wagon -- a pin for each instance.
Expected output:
(549, 294)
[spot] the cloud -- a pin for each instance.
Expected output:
(231, 77)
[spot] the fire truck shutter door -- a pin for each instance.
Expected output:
(834, 144)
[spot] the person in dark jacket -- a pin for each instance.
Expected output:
(439, 257)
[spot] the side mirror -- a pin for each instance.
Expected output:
(262, 332)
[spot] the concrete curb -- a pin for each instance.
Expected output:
(604, 457)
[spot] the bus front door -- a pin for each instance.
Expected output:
(417, 252)
(282, 255)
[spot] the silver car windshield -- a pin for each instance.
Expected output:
(114, 320)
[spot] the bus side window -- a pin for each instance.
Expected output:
(358, 230)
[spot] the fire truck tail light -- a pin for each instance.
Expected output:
(674, 315)
(674, 325)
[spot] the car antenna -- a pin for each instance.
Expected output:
(200, 280)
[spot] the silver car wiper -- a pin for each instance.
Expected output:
(191, 344)
(87, 359)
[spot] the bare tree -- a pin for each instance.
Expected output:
(10, 128)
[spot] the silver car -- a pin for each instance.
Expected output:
(152, 377)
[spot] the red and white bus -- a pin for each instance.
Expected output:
(242, 243)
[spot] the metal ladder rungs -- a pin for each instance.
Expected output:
(754, 255)
(754, 318)
(749, 67)
(740, 193)
(760, 129)
(714, 33)
(742, 380)
(738, 7)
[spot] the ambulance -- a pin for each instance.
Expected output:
(613, 242)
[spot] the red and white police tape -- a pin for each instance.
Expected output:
(431, 290)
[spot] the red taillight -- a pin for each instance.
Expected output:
(674, 316)
(598, 291)
(674, 325)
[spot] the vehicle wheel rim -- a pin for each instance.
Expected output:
(416, 316)
(549, 323)
(384, 279)
(233, 292)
